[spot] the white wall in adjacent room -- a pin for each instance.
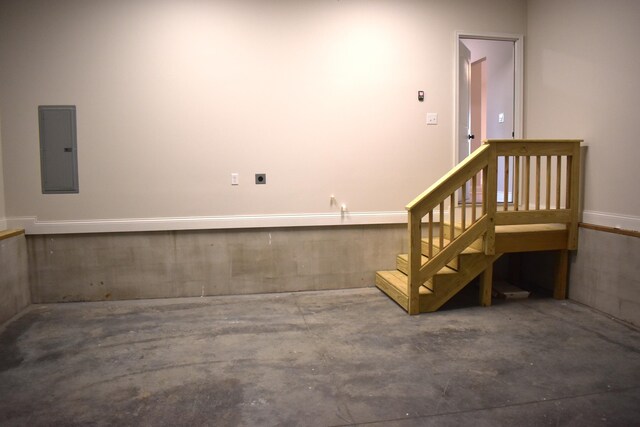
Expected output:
(500, 82)
(174, 96)
(582, 73)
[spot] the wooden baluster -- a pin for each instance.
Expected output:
(485, 172)
(558, 180)
(527, 184)
(516, 183)
(505, 204)
(464, 207)
(441, 239)
(548, 201)
(474, 186)
(568, 191)
(430, 254)
(537, 183)
(452, 218)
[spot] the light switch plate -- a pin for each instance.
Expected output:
(235, 179)
(432, 118)
(501, 118)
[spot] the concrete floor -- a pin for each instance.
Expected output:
(317, 358)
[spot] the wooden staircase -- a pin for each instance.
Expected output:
(436, 291)
(464, 242)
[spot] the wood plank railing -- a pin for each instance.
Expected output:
(470, 218)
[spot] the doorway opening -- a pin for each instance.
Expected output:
(489, 73)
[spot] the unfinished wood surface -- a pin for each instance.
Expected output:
(474, 188)
(441, 239)
(533, 217)
(453, 263)
(511, 239)
(452, 284)
(463, 202)
(537, 182)
(402, 265)
(453, 249)
(621, 231)
(547, 204)
(558, 180)
(574, 201)
(533, 147)
(394, 284)
(452, 214)
(486, 283)
(529, 228)
(477, 244)
(491, 202)
(516, 183)
(505, 194)
(485, 171)
(6, 234)
(527, 183)
(415, 258)
(450, 183)
(450, 263)
(391, 285)
(430, 234)
(561, 275)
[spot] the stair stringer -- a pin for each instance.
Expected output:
(445, 287)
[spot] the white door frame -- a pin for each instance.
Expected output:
(518, 90)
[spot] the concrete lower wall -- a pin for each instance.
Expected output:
(14, 278)
(95, 267)
(605, 274)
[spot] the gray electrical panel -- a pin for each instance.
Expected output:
(58, 149)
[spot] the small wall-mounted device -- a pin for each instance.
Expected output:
(261, 178)
(421, 95)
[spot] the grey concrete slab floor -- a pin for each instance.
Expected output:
(317, 358)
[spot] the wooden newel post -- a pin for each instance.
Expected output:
(573, 195)
(491, 201)
(415, 257)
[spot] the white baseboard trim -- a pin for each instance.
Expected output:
(606, 219)
(3, 224)
(32, 225)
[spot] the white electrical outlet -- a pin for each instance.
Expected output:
(235, 179)
(432, 118)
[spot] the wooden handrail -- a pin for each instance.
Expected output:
(461, 173)
(527, 206)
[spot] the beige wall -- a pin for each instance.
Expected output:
(174, 96)
(582, 73)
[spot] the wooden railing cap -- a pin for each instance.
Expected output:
(6, 234)
(507, 141)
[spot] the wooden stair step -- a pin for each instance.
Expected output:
(478, 244)
(445, 242)
(402, 264)
(454, 263)
(395, 284)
